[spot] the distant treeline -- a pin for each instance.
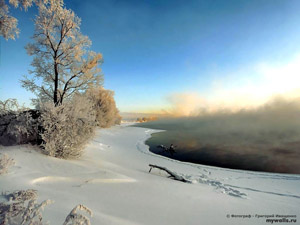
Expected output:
(146, 119)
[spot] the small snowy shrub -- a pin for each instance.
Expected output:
(22, 209)
(5, 163)
(23, 195)
(67, 127)
(103, 101)
(74, 218)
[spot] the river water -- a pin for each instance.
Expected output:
(262, 150)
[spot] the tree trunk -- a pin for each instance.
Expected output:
(55, 97)
(172, 174)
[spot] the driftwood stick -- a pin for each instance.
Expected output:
(172, 174)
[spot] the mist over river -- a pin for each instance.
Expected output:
(266, 139)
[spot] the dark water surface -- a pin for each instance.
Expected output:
(190, 150)
(268, 150)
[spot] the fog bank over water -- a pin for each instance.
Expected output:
(266, 138)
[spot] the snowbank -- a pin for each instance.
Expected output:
(112, 179)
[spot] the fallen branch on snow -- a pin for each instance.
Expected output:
(172, 174)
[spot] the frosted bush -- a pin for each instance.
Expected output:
(67, 127)
(5, 163)
(19, 127)
(25, 127)
(22, 209)
(104, 104)
(74, 218)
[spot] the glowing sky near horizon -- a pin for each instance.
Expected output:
(162, 55)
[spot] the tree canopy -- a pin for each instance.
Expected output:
(8, 23)
(62, 64)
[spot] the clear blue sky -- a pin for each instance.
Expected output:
(155, 48)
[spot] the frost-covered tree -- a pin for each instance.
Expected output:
(8, 23)
(62, 63)
(8, 105)
(105, 107)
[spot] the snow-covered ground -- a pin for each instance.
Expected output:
(113, 180)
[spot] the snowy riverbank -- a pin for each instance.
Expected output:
(112, 179)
